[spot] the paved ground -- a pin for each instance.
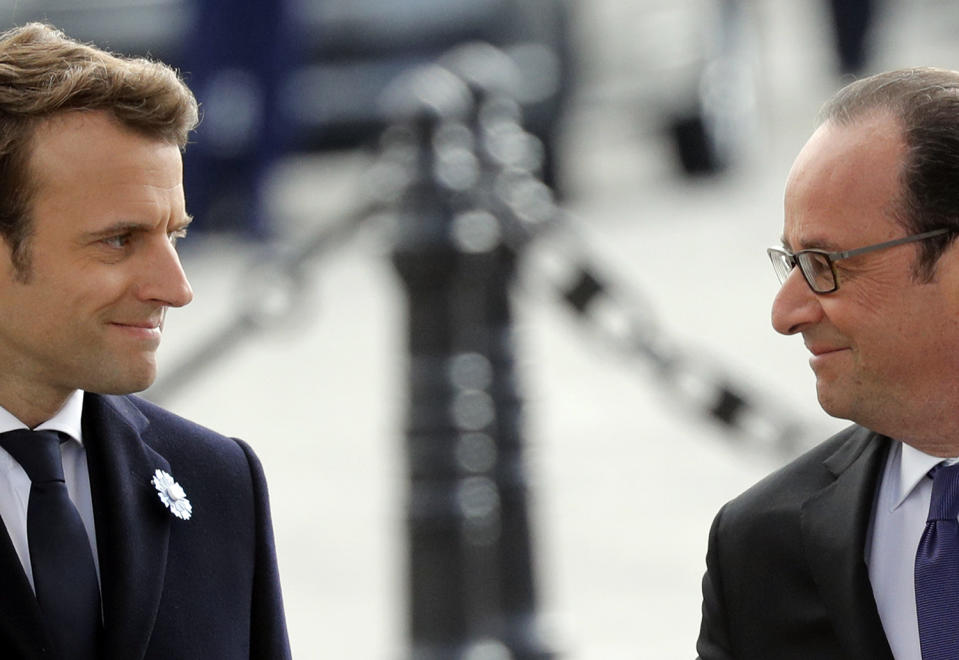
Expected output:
(626, 480)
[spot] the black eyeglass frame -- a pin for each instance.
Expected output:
(792, 258)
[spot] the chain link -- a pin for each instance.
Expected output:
(489, 164)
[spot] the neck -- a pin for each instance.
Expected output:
(931, 425)
(32, 408)
(942, 440)
(940, 449)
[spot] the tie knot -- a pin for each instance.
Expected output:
(37, 452)
(944, 504)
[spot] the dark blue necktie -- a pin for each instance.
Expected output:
(64, 574)
(937, 569)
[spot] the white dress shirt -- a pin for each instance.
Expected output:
(15, 484)
(898, 520)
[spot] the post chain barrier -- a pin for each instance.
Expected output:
(461, 178)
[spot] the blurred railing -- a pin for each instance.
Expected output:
(461, 178)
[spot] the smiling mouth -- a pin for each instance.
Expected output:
(822, 356)
(148, 325)
(142, 331)
(825, 351)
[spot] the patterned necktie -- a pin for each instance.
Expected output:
(64, 574)
(937, 569)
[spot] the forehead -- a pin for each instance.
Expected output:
(90, 157)
(844, 185)
(77, 136)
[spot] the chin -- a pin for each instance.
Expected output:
(127, 382)
(834, 406)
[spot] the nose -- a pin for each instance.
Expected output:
(795, 306)
(164, 281)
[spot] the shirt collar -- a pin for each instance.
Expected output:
(67, 419)
(913, 466)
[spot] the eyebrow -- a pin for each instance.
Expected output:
(814, 244)
(125, 226)
(185, 222)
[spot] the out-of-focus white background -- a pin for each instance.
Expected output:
(625, 479)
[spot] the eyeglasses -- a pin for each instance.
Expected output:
(817, 266)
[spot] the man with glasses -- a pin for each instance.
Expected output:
(852, 550)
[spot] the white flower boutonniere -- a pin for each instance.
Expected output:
(172, 495)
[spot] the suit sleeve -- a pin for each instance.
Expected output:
(268, 635)
(713, 642)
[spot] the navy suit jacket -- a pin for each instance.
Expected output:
(205, 588)
(786, 574)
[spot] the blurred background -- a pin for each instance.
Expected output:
(651, 388)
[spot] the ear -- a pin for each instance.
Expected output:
(945, 270)
(14, 263)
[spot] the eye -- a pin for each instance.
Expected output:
(118, 241)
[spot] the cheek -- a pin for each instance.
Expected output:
(89, 289)
(857, 311)
(906, 332)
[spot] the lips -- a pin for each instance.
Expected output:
(823, 355)
(154, 322)
(149, 331)
(148, 325)
(818, 350)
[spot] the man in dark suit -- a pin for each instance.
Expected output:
(128, 533)
(836, 555)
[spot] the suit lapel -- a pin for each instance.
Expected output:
(835, 523)
(21, 622)
(132, 527)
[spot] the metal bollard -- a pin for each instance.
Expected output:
(471, 579)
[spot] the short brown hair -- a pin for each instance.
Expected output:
(42, 73)
(925, 102)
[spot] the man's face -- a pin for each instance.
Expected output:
(885, 346)
(103, 269)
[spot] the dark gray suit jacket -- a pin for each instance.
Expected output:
(205, 588)
(786, 576)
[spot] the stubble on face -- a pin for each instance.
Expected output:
(885, 346)
(102, 269)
